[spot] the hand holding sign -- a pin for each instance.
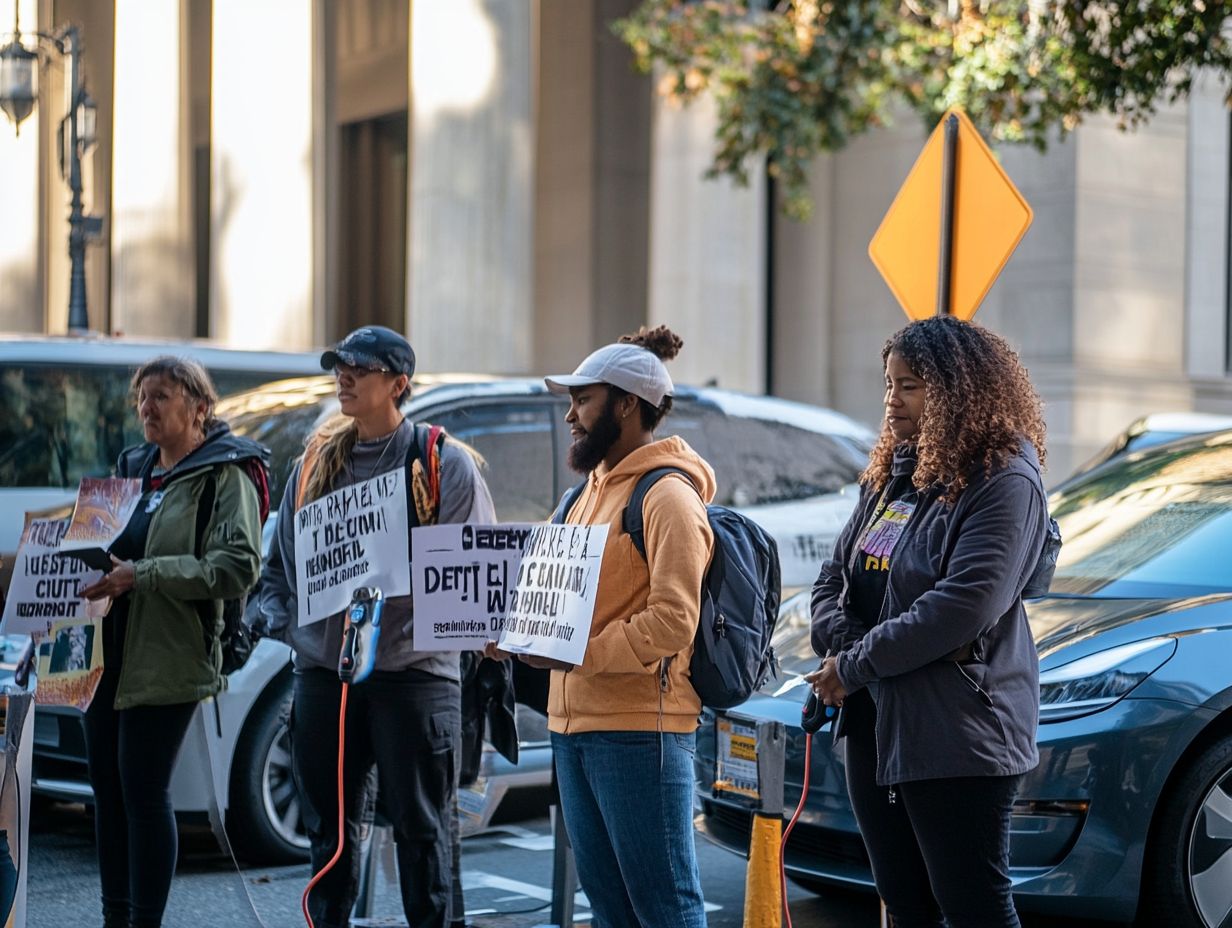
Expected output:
(553, 601)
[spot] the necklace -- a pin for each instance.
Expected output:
(195, 445)
(376, 468)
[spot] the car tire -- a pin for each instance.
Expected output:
(263, 821)
(1185, 881)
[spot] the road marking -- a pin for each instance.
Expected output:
(477, 879)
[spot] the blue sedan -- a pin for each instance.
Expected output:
(1129, 812)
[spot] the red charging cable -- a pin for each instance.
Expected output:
(342, 809)
(808, 766)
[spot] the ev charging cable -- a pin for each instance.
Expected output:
(360, 634)
(812, 716)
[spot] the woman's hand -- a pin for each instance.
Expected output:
(826, 684)
(121, 579)
(544, 663)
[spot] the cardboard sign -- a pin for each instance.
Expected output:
(353, 537)
(70, 664)
(553, 600)
(104, 506)
(462, 578)
(46, 587)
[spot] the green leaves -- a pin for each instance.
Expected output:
(804, 76)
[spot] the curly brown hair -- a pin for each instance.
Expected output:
(979, 404)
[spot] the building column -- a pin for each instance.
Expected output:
(152, 285)
(707, 253)
(802, 263)
(472, 180)
(262, 190)
(21, 304)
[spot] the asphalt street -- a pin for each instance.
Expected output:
(507, 879)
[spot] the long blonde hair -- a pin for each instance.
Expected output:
(325, 457)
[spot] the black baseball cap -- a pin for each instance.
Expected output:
(375, 348)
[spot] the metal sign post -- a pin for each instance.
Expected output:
(945, 254)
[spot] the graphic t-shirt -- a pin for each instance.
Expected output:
(875, 547)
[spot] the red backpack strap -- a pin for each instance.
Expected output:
(259, 476)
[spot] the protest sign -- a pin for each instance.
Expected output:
(352, 537)
(553, 599)
(104, 506)
(70, 664)
(46, 587)
(462, 577)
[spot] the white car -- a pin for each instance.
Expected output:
(789, 465)
(66, 413)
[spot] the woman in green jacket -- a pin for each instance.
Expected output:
(172, 569)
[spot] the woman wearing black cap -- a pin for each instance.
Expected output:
(405, 717)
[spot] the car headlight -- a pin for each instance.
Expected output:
(1096, 681)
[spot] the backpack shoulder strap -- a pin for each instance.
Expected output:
(632, 519)
(567, 502)
(423, 483)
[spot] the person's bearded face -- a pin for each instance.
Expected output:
(593, 435)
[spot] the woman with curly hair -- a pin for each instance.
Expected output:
(918, 615)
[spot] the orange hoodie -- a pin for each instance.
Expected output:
(645, 610)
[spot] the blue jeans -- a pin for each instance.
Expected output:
(627, 798)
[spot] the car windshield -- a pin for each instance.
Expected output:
(1155, 527)
(64, 422)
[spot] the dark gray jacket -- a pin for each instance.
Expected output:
(955, 580)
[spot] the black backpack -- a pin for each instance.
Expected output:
(236, 638)
(732, 655)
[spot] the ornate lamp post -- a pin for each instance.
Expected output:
(18, 97)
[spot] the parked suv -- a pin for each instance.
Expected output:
(789, 465)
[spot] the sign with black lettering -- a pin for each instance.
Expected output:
(553, 598)
(462, 578)
(46, 587)
(355, 536)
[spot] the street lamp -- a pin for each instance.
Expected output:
(78, 131)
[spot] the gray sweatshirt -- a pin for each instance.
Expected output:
(464, 498)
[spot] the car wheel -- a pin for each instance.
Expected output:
(1188, 879)
(264, 817)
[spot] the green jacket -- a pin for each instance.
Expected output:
(169, 656)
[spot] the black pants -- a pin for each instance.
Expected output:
(940, 850)
(409, 724)
(131, 754)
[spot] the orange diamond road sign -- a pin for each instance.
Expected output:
(990, 218)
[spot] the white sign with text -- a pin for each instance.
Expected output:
(46, 587)
(462, 578)
(553, 598)
(355, 536)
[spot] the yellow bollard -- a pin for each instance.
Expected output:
(763, 892)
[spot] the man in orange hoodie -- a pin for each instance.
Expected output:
(623, 722)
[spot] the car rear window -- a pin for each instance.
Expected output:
(60, 423)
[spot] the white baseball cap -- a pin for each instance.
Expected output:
(631, 367)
